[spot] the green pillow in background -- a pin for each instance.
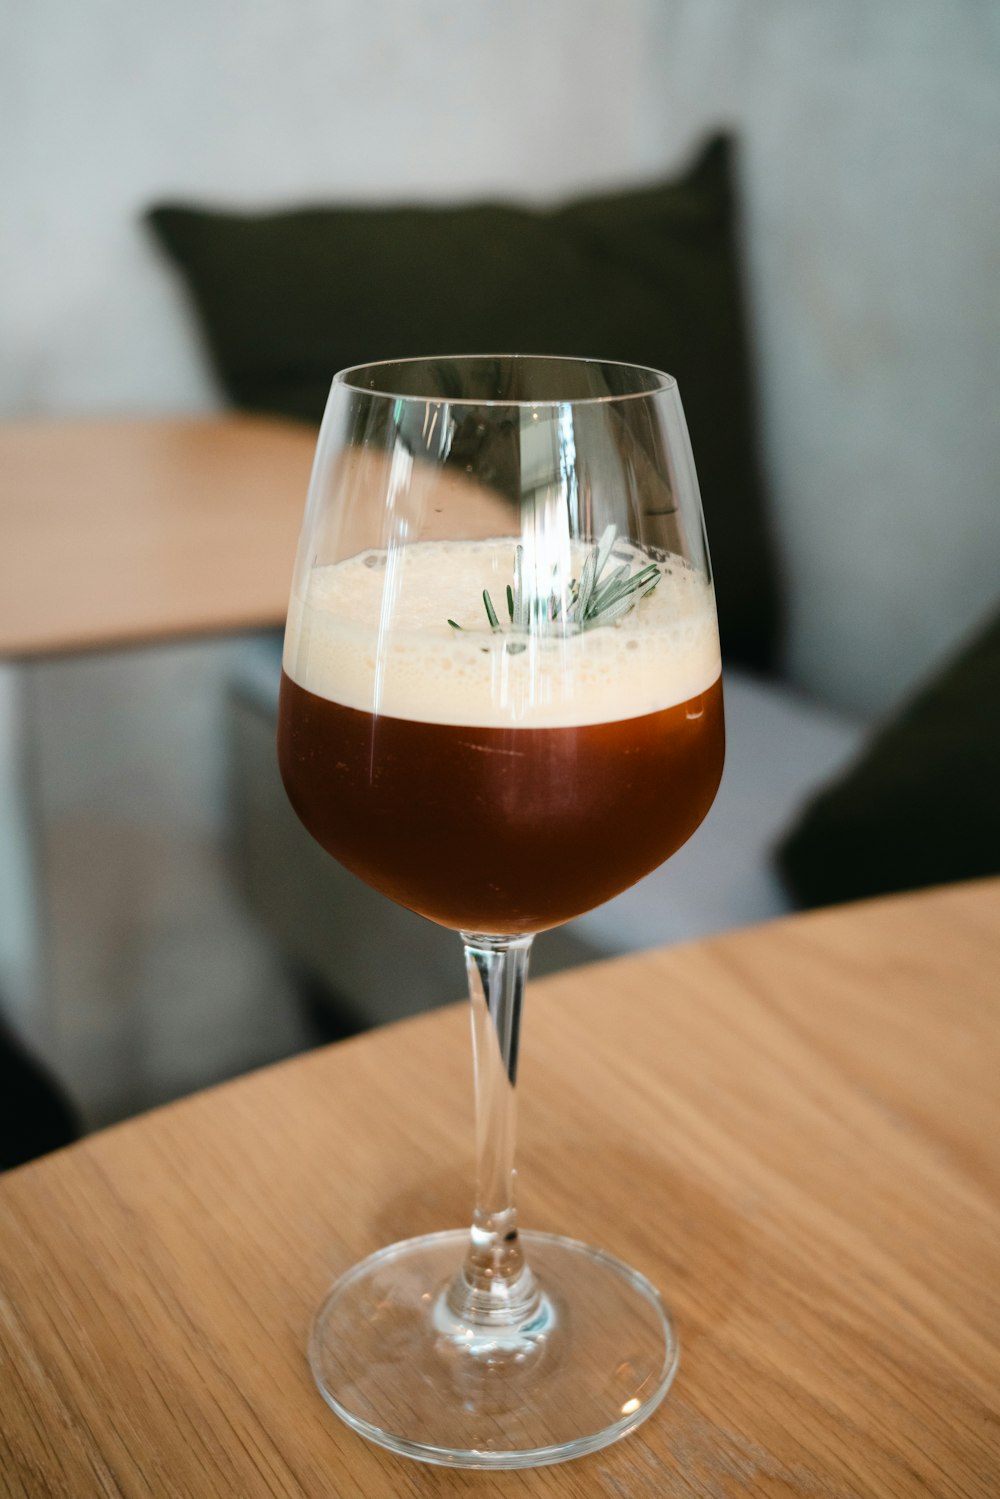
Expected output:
(649, 276)
(922, 805)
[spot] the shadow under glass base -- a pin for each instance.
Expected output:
(595, 1360)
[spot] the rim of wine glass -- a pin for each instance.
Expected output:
(347, 379)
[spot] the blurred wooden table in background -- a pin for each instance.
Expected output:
(114, 532)
(793, 1130)
(118, 534)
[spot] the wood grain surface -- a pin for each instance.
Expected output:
(113, 532)
(794, 1131)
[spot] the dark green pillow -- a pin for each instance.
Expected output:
(649, 276)
(922, 805)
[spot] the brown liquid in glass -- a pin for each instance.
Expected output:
(500, 830)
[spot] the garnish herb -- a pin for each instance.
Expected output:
(598, 597)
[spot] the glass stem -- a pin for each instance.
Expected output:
(495, 1285)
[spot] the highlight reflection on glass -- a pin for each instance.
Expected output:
(501, 705)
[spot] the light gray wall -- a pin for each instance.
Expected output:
(872, 203)
(871, 170)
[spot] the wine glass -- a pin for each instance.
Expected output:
(500, 705)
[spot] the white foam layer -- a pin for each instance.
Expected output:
(372, 633)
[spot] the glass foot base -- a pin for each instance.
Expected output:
(595, 1360)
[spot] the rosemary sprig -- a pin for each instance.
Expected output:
(594, 599)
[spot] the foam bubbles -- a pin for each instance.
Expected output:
(372, 633)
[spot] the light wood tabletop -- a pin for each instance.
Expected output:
(793, 1130)
(117, 532)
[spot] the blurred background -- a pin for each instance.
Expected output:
(138, 829)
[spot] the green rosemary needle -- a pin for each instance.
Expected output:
(597, 598)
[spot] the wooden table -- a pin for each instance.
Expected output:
(113, 532)
(120, 533)
(795, 1131)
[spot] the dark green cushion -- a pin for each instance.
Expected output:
(922, 805)
(649, 276)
